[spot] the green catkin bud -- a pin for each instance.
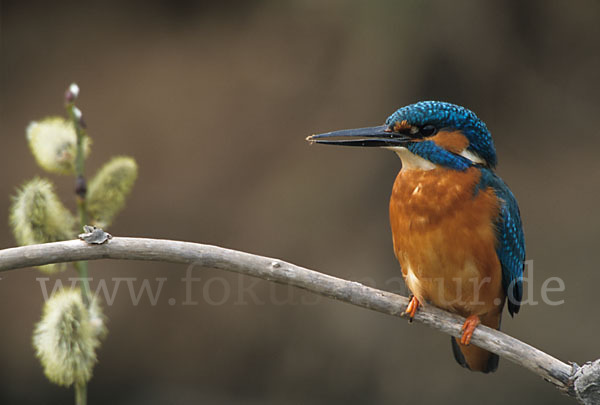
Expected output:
(108, 190)
(53, 142)
(67, 337)
(38, 216)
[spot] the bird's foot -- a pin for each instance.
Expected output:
(412, 307)
(468, 328)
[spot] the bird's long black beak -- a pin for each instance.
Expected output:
(379, 136)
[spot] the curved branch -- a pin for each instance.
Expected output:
(583, 383)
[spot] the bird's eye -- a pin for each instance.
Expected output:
(428, 130)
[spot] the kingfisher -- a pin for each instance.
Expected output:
(456, 226)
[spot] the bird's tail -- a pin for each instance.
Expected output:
(473, 357)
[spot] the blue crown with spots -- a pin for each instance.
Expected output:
(444, 115)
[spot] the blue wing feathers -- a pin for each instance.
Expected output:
(510, 246)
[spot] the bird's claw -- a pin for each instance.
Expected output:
(468, 328)
(412, 307)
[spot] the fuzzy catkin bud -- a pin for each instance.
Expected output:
(38, 216)
(110, 187)
(67, 337)
(72, 93)
(53, 142)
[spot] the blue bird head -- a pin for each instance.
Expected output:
(418, 128)
(447, 116)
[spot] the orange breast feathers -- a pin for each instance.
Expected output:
(444, 239)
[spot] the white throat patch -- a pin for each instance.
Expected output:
(410, 161)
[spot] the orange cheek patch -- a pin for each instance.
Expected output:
(454, 142)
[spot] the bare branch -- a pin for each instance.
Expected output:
(583, 383)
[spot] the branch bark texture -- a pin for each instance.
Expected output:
(582, 383)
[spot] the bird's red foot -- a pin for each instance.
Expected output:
(412, 307)
(468, 328)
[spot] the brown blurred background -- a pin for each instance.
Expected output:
(214, 100)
